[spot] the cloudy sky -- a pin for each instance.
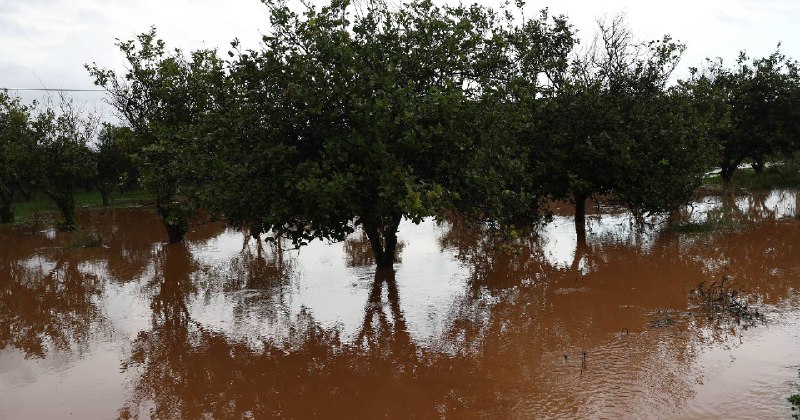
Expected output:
(45, 43)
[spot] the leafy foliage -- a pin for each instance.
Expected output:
(114, 166)
(62, 159)
(16, 151)
(165, 97)
(751, 110)
(355, 116)
(356, 119)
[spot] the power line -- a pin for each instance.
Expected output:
(53, 90)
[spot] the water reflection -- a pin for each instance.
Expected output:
(551, 324)
(46, 309)
(185, 370)
(744, 208)
(383, 332)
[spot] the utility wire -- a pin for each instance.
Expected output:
(53, 90)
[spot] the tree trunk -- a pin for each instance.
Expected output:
(383, 239)
(580, 214)
(66, 205)
(105, 194)
(6, 212)
(728, 167)
(726, 173)
(175, 221)
(175, 233)
(26, 193)
(758, 165)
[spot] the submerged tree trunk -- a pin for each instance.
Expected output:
(105, 194)
(758, 165)
(382, 234)
(726, 173)
(727, 168)
(175, 233)
(66, 205)
(175, 221)
(580, 215)
(6, 212)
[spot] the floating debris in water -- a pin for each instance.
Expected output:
(719, 301)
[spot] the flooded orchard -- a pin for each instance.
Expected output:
(633, 321)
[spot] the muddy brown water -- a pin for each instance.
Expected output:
(465, 326)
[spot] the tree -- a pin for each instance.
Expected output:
(114, 166)
(507, 179)
(751, 110)
(668, 156)
(345, 120)
(610, 127)
(163, 98)
(16, 151)
(63, 160)
(669, 147)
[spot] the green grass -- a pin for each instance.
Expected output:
(39, 203)
(775, 177)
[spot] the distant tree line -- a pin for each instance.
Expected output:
(55, 149)
(358, 116)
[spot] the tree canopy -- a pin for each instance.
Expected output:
(751, 110)
(16, 151)
(356, 116)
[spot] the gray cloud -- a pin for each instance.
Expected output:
(48, 41)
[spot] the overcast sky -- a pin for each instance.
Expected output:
(46, 42)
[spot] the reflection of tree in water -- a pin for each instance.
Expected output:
(185, 370)
(358, 251)
(532, 338)
(383, 333)
(53, 310)
(491, 256)
(731, 211)
(172, 266)
(263, 266)
(559, 346)
(51, 303)
(763, 259)
(535, 332)
(256, 283)
(129, 237)
(497, 262)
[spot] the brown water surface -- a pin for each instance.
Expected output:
(466, 326)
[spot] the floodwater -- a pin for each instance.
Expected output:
(466, 326)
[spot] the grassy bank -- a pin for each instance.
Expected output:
(39, 203)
